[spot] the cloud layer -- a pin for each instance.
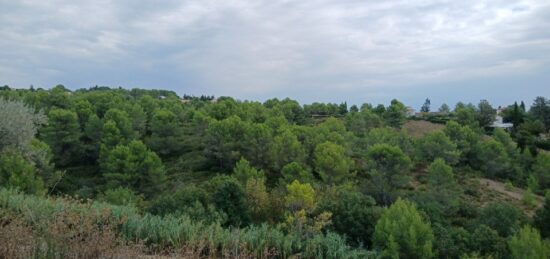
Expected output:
(310, 50)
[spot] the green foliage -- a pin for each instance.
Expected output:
(166, 133)
(16, 172)
(485, 113)
(57, 97)
(526, 134)
(395, 114)
(300, 196)
(63, 136)
(191, 201)
(486, 242)
(540, 110)
(508, 185)
(331, 163)
(84, 109)
(532, 183)
(389, 159)
(158, 232)
(450, 241)
(438, 145)
(444, 108)
(244, 172)
(528, 198)
(440, 176)
(229, 197)
(223, 141)
(257, 143)
(110, 135)
(353, 214)
(122, 196)
(441, 200)
(93, 128)
(139, 120)
(40, 156)
(464, 138)
(466, 116)
(527, 244)
(426, 106)
(506, 140)
(361, 122)
(493, 159)
(258, 200)
(122, 122)
(292, 110)
(540, 170)
(133, 166)
(294, 171)
(542, 217)
(286, 149)
(391, 137)
(388, 169)
(514, 114)
(502, 217)
(18, 123)
(402, 232)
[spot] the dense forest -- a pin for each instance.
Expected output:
(111, 172)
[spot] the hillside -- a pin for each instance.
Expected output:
(111, 172)
(418, 129)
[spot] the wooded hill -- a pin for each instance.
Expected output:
(149, 173)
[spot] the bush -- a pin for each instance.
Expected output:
(502, 217)
(401, 231)
(170, 234)
(528, 244)
(16, 172)
(508, 186)
(528, 198)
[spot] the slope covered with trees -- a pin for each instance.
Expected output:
(223, 177)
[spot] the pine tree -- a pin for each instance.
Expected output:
(401, 230)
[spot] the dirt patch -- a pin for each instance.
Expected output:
(513, 194)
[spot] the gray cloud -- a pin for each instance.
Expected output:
(310, 50)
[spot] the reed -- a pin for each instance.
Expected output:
(64, 227)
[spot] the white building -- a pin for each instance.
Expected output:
(499, 122)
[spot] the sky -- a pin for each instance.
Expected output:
(310, 50)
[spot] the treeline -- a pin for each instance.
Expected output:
(307, 171)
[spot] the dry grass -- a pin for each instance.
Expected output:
(74, 235)
(69, 236)
(490, 191)
(62, 227)
(418, 129)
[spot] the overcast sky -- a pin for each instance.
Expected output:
(331, 51)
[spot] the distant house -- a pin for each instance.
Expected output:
(499, 122)
(410, 111)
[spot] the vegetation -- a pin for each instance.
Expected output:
(104, 172)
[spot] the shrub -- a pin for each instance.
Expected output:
(113, 227)
(508, 185)
(528, 198)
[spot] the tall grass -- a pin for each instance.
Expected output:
(168, 235)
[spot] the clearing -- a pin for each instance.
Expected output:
(498, 191)
(418, 129)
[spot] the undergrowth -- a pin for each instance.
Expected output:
(62, 227)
